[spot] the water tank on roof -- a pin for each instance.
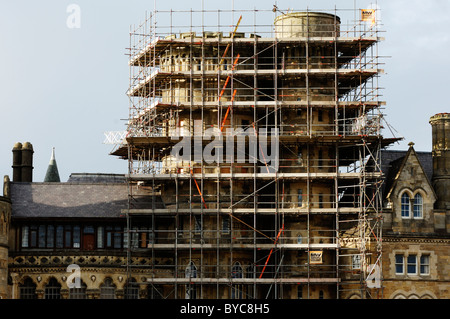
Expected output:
(307, 24)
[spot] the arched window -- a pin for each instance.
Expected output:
(108, 289)
(78, 293)
(236, 270)
(418, 206)
(405, 205)
(131, 289)
(191, 270)
(28, 289)
(52, 289)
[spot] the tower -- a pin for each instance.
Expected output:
(260, 152)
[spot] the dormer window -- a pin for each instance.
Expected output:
(405, 206)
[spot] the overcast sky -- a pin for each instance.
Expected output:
(63, 87)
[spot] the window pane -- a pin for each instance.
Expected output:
(418, 206)
(76, 236)
(117, 237)
(100, 234)
(399, 264)
(425, 264)
(405, 205)
(33, 236)
(412, 264)
(59, 236)
(50, 236)
(88, 229)
(25, 234)
(108, 236)
(68, 236)
(42, 236)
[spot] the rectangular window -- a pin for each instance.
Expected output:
(399, 264)
(425, 264)
(109, 236)
(76, 237)
(300, 197)
(100, 234)
(117, 237)
(59, 236)
(25, 236)
(42, 236)
(33, 236)
(412, 264)
(67, 236)
(50, 236)
(226, 224)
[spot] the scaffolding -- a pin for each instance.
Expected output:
(237, 222)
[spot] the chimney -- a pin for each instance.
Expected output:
(23, 162)
(17, 162)
(440, 124)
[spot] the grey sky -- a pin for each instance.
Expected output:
(64, 87)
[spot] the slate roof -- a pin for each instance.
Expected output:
(391, 162)
(75, 200)
(96, 178)
(388, 157)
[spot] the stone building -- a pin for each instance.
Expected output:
(416, 240)
(54, 235)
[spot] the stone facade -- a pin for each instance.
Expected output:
(416, 241)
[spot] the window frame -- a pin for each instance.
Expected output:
(398, 264)
(424, 264)
(52, 236)
(411, 264)
(419, 205)
(405, 201)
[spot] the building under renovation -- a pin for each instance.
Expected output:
(257, 169)
(258, 144)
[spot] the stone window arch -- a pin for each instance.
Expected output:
(191, 270)
(131, 290)
(108, 289)
(405, 204)
(418, 205)
(52, 289)
(78, 293)
(27, 289)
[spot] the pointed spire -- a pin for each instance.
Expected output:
(52, 175)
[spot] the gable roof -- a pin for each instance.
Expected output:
(393, 169)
